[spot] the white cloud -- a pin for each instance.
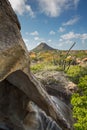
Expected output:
(61, 29)
(65, 44)
(60, 44)
(27, 33)
(35, 33)
(52, 32)
(71, 21)
(60, 40)
(21, 7)
(76, 2)
(30, 43)
(66, 40)
(26, 40)
(49, 40)
(83, 36)
(36, 38)
(54, 8)
(68, 36)
(72, 35)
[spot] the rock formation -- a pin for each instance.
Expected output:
(17, 85)
(43, 47)
(57, 84)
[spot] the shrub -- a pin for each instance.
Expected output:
(83, 84)
(80, 111)
(37, 67)
(76, 72)
(79, 100)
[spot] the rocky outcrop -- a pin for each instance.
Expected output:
(17, 85)
(57, 84)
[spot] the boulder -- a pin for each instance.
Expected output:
(57, 84)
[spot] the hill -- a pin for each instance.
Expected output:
(42, 47)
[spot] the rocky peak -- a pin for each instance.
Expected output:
(43, 47)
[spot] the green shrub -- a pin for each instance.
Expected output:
(83, 84)
(76, 72)
(79, 100)
(80, 111)
(37, 67)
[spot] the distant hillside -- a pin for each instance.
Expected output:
(42, 47)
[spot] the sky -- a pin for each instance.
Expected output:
(59, 23)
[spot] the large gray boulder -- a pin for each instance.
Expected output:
(58, 84)
(18, 85)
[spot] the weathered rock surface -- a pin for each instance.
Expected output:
(60, 88)
(57, 84)
(17, 85)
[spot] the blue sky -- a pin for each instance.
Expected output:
(59, 23)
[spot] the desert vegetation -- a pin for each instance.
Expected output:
(78, 75)
(75, 66)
